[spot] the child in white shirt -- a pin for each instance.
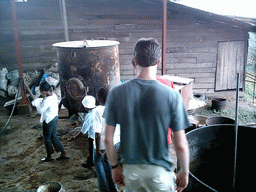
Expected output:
(101, 163)
(47, 106)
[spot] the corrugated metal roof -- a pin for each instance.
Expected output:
(130, 9)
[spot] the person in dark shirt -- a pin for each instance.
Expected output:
(145, 109)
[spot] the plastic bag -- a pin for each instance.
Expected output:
(3, 80)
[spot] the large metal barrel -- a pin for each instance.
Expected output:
(85, 66)
(212, 158)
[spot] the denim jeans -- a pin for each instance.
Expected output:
(104, 173)
(91, 148)
(50, 137)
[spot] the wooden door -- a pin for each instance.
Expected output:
(230, 62)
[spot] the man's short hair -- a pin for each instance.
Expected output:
(147, 52)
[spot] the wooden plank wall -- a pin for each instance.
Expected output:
(39, 26)
(191, 47)
(230, 62)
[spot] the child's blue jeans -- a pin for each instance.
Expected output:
(50, 137)
(104, 173)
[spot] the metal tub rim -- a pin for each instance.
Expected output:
(209, 128)
(86, 44)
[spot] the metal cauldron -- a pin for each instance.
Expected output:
(212, 158)
(219, 120)
(85, 66)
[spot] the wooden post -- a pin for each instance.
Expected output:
(24, 100)
(164, 37)
(64, 18)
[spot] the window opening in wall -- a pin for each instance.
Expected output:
(21, 1)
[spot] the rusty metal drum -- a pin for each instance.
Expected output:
(84, 66)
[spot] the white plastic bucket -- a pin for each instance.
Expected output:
(52, 186)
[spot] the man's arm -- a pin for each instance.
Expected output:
(112, 155)
(182, 150)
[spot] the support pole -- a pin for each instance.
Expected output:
(236, 129)
(24, 100)
(64, 18)
(253, 94)
(164, 37)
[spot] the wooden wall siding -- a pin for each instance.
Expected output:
(230, 62)
(192, 43)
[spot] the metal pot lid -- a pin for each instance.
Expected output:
(86, 43)
(76, 89)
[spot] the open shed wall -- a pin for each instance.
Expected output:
(192, 50)
(191, 45)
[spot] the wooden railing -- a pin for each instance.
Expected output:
(251, 78)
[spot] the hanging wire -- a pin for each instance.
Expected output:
(202, 182)
(14, 105)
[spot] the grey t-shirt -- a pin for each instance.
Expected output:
(145, 109)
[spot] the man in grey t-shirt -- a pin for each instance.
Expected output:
(145, 109)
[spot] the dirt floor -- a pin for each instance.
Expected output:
(246, 111)
(22, 147)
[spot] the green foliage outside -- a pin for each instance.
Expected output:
(250, 88)
(251, 60)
